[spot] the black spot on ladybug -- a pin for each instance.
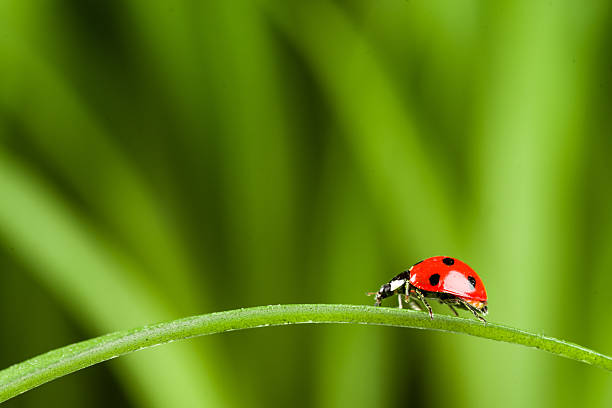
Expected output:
(472, 281)
(448, 261)
(434, 279)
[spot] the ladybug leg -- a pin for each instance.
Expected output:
(422, 299)
(410, 301)
(453, 309)
(472, 309)
(449, 303)
(414, 306)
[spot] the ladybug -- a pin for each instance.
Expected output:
(448, 280)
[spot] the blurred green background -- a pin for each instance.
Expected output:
(163, 159)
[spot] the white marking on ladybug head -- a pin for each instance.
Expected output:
(397, 283)
(457, 282)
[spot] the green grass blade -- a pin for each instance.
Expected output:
(46, 367)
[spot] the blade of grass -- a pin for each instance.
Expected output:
(46, 367)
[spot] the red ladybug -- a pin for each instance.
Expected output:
(448, 280)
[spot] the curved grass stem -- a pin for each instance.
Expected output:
(24, 376)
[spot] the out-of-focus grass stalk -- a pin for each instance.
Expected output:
(46, 367)
(136, 218)
(378, 125)
(255, 138)
(95, 264)
(526, 157)
(336, 371)
(96, 281)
